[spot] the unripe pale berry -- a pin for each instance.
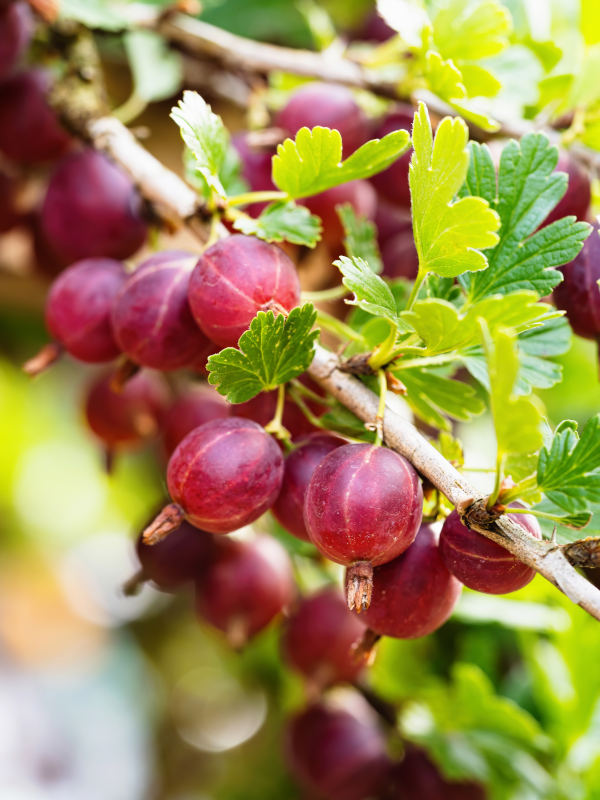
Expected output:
(482, 564)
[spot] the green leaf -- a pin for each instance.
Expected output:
(229, 174)
(447, 232)
(517, 419)
(536, 345)
(528, 189)
(272, 351)
(312, 162)
(469, 31)
(481, 174)
(371, 293)
(433, 397)
(569, 467)
(479, 82)
(342, 420)
(444, 328)
(471, 732)
(281, 221)
(444, 77)
(157, 69)
(205, 134)
(360, 237)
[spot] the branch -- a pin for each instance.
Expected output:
(165, 190)
(238, 53)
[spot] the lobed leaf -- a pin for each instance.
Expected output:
(360, 237)
(312, 162)
(272, 351)
(528, 189)
(282, 221)
(371, 293)
(205, 134)
(568, 469)
(448, 233)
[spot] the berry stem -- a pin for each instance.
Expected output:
(126, 370)
(339, 328)
(167, 521)
(275, 426)
(359, 586)
(381, 379)
(49, 353)
(304, 390)
(132, 584)
(255, 197)
(325, 294)
(131, 109)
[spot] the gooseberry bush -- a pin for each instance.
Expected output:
(454, 271)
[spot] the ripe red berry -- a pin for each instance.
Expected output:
(246, 585)
(299, 466)
(392, 183)
(579, 294)
(16, 30)
(578, 196)
(361, 196)
(222, 476)
(29, 129)
(256, 169)
(78, 313)
(362, 508)
(414, 594)
(151, 317)
(337, 755)
(482, 564)
(390, 220)
(91, 208)
(235, 279)
(199, 404)
(328, 105)
(319, 639)
(416, 776)
(179, 559)
(399, 256)
(127, 417)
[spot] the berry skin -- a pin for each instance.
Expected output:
(362, 508)
(179, 559)
(399, 256)
(330, 106)
(30, 132)
(247, 584)
(416, 776)
(127, 417)
(225, 474)
(579, 294)
(361, 196)
(299, 467)
(78, 313)
(151, 317)
(578, 196)
(256, 169)
(319, 638)
(198, 405)
(16, 30)
(392, 183)
(414, 594)
(91, 208)
(337, 755)
(235, 279)
(482, 564)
